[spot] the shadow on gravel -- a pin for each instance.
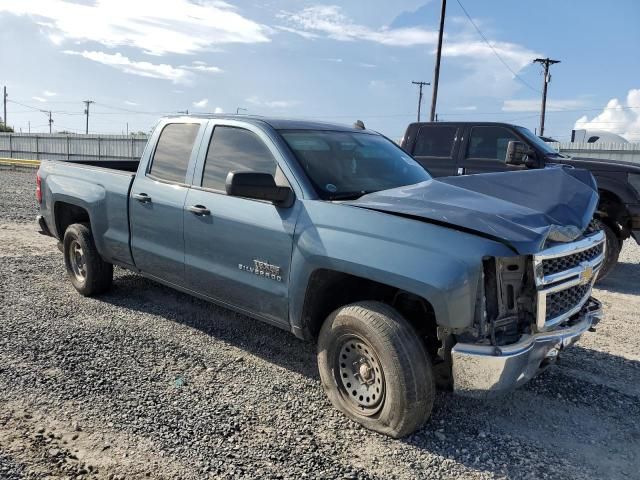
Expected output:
(625, 278)
(272, 344)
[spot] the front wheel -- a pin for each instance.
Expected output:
(86, 269)
(375, 369)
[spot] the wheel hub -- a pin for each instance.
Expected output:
(361, 375)
(77, 260)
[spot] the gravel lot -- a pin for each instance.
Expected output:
(148, 382)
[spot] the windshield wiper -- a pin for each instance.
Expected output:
(350, 195)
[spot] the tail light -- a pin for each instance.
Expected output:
(38, 188)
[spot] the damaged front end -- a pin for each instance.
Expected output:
(529, 308)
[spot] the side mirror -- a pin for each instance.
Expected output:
(519, 153)
(259, 186)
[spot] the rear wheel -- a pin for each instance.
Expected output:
(375, 369)
(613, 245)
(88, 272)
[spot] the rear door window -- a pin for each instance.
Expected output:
(489, 143)
(435, 141)
(171, 158)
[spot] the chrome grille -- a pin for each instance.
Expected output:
(564, 275)
(563, 301)
(560, 264)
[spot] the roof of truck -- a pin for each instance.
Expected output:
(464, 124)
(278, 123)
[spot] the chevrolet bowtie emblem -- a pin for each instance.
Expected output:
(586, 275)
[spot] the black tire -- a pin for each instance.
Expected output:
(384, 339)
(88, 272)
(613, 245)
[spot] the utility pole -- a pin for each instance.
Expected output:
(240, 108)
(420, 85)
(436, 73)
(4, 101)
(86, 112)
(50, 120)
(546, 63)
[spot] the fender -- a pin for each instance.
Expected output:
(438, 264)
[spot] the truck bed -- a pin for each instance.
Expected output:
(123, 165)
(102, 192)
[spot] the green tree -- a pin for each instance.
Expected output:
(5, 128)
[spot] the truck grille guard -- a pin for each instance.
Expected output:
(564, 276)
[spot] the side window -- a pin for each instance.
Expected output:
(435, 141)
(489, 142)
(171, 158)
(235, 149)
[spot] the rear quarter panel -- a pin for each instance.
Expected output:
(102, 192)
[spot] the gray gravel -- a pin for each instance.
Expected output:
(145, 381)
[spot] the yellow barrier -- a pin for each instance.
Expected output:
(19, 162)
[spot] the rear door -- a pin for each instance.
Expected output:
(239, 251)
(157, 201)
(435, 149)
(485, 149)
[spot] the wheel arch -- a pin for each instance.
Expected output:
(613, 211)
(65, 214)
(329, 289)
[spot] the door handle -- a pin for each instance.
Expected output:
(199, 210)
(142, 197)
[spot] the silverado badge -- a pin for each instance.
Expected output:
(262, 269)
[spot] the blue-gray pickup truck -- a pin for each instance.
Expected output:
(337, 235)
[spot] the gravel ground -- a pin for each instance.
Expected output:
(147, 382)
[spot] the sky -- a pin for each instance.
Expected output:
(336, 61)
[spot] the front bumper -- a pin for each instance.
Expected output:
(486, 371)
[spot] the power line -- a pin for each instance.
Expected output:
(515, 74)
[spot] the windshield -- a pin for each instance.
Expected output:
(545, 148)
(345, 165)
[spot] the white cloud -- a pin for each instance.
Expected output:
(144, 69)
(48, 93)
(202, 67)
(329, 21)
(516, 56)
(157, 27)
(467, 108)
(129, 102)
(201, 103)
(275, 104)
(218, 110)
(296, 31)
(39, 99)
(533, 105)
(618, 117)
(461, 42)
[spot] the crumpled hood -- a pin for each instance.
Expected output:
(521, 209)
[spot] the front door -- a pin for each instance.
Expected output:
(157, 203)
(238, 250)
(486, 150)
